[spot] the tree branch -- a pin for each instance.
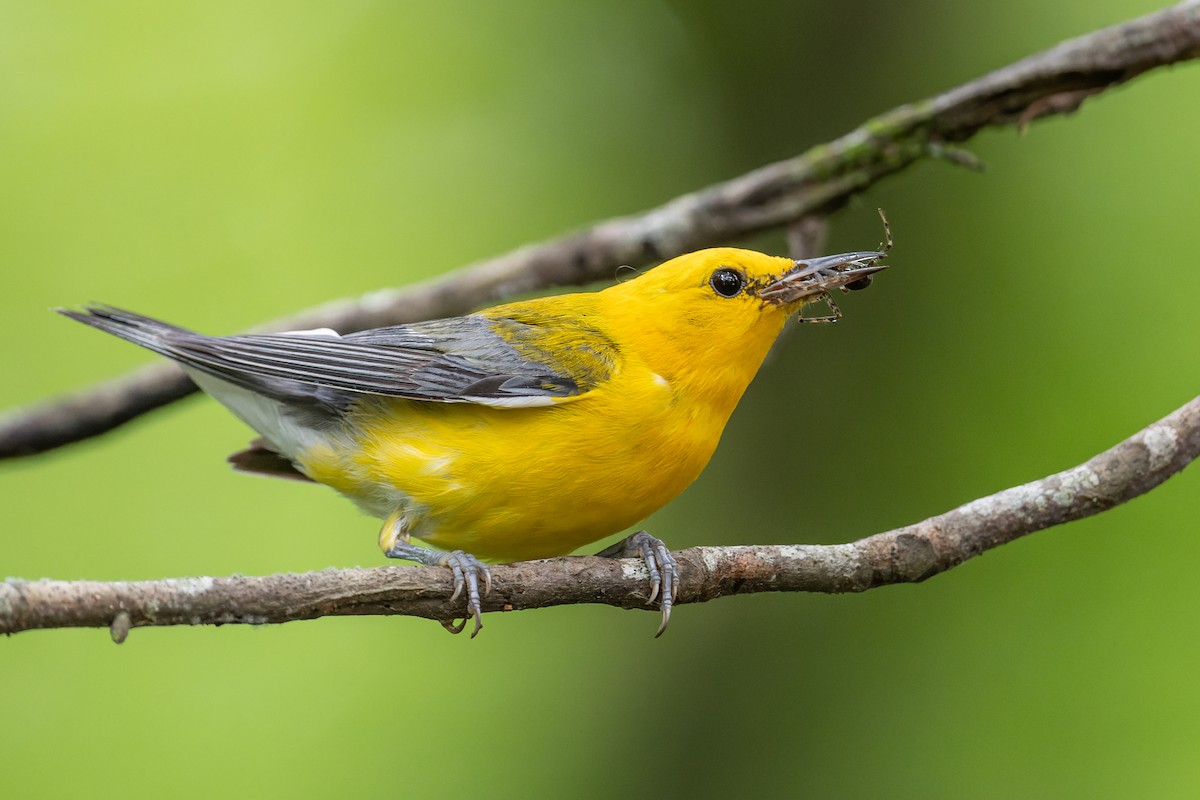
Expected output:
(817, 182)
(908, 554)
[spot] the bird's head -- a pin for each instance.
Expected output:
(729, 290)
(724, 307)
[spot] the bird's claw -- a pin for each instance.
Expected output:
(465, 569)
(663, 569)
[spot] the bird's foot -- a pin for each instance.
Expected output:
(467, 571)
(663, 569)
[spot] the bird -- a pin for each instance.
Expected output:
(525, 430)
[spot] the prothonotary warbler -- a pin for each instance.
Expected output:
(522, 431)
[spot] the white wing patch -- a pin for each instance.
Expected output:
(532, 401)
(326, 332)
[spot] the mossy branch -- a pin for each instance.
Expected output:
(815, 183)
(778, 195)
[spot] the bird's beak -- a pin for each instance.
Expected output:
(814, 277)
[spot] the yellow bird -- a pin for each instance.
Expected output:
(522, 431)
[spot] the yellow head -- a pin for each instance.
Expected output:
(708, 318)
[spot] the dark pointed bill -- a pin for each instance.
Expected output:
(814, 277)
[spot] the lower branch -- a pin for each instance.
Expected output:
(912, 553)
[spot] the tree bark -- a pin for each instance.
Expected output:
(904, 555)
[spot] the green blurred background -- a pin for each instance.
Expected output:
(221, 164)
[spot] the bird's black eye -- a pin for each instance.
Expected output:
(727, 282)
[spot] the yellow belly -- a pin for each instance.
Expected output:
(513, 484)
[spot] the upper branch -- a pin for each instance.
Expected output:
(818, 181)
(911, 553)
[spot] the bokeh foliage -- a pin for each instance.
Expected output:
(222, 163)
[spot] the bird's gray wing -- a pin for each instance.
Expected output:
(502, 361)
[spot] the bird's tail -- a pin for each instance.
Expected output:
(147, 332)
(288, 414)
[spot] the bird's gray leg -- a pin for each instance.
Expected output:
(663, 569)
(466, 569)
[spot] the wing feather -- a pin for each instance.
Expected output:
(537, 359)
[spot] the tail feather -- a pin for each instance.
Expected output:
(141, 330)
(261, 458)
(195, 352)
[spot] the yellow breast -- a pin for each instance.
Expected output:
(519, 483)
(512, 484)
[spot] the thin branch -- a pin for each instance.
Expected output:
(817, 182)
(908, 554)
